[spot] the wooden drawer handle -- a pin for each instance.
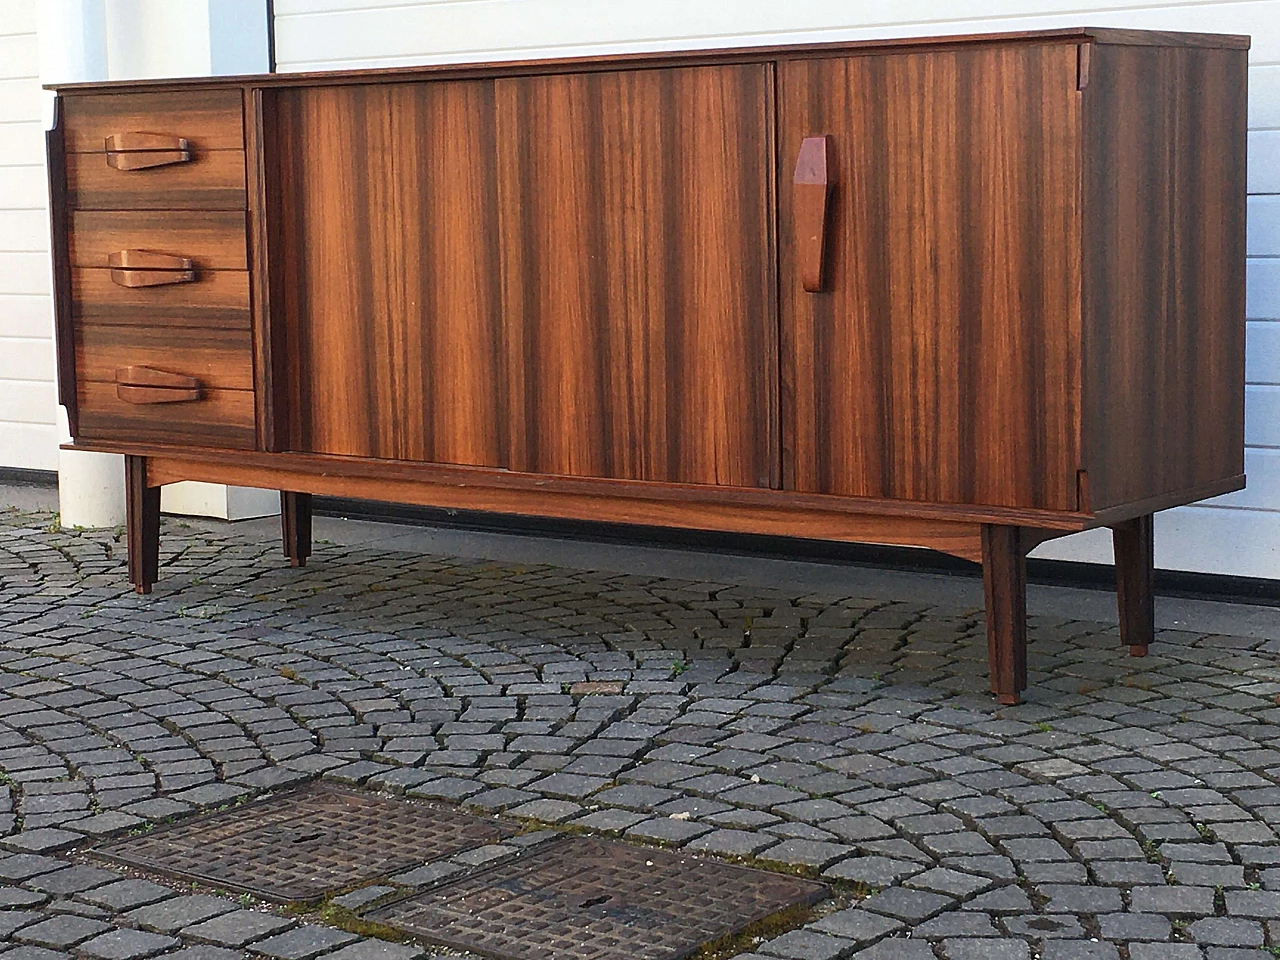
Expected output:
(139, 151)
(145, 268)
(149, 385)
(813, 186)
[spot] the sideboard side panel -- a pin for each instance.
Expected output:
(940, 362)
(1164, 283)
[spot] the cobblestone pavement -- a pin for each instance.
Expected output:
(1128, 809)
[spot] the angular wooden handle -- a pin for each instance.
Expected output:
(138, 151)
(149, 385)
(813, 186)
(145, 268)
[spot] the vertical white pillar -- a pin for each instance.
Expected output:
(72, 41)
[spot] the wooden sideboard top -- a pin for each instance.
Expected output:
(1105, 35)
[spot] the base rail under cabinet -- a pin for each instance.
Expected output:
(997, 538)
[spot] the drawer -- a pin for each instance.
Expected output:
(212, 239)
(215, 299)
(209, 180)
(219, 359)
(206, 119)
(220, 418)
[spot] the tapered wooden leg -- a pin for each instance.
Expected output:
(1134, 543)
(1004, 574)
(295, 526)
(142, 513)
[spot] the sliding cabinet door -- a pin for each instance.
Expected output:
(390, 279)
(638, 275)
(939, 357)
(566, 275)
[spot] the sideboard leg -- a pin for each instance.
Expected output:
(142, 514)
(1134, 543)
(1004, 574)
(295, 526)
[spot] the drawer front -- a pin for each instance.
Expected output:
(210, 180)
(220, 418)
(212, 240)
(218, 359)
(215, 299)
(206, 119)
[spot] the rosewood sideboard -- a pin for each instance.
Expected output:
(963, 293)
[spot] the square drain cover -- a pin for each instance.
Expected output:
(302, 844)
(583, 898)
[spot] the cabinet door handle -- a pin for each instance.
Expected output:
(138, 151)
(148, 385)
(812, 198)
(145, 268)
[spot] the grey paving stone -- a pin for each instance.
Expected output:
(896, 948)
(1044, 927)
(60, 932)
(1135, 926)
(11, 897)
(806, 945)
(376, 950)
(1070, 898)
(873, 871)
(426, 875)
(609, 821)
(860, 926)
(479, 855)
(13, 920)
(668, 830)
(74, 879)
(1258, 904)
(211, 794)
(730, 843)
(126, 945)
(1207, 874)
(303, 943)
(1175, 900)
(548, 811)
(1079, 950)
(1165, 951)
(204, 951)
(43, 840)
(170, 916)
(127, 894)
(950, 882)
(236, 929)
(1226, 932)
(34, 953)
(23, 866)
(104, 824)
(985, 949)
(365, 895)
(807, 853)
(909, 906)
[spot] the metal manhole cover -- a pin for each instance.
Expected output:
(305, 843)
(582, 898)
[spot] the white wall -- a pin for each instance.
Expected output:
(28, 402)
(1238, 534)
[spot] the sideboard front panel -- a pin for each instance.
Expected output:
(940, 361)
(390, 280)
(638, 274)
(567, 275)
